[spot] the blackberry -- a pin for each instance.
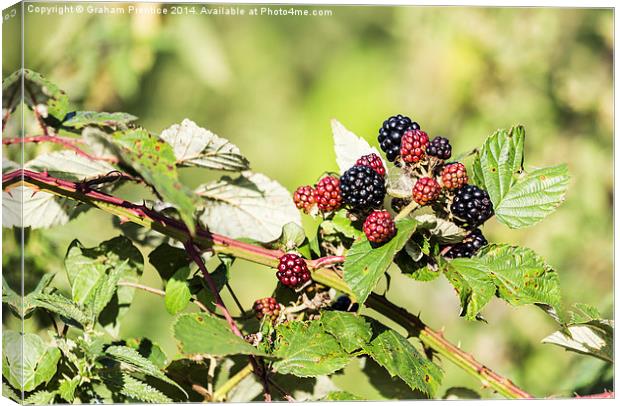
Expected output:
(362, 188)
(327, 194)
(372, 161)
(304, 198)
(413, 146)
(425, 191)
(398, 204)
(471, 206)
(440, 148)
(343, 304)
(454, 175)
(470, 245)
(391, 132)
(379, 227)
(292, 270)
(267, 307)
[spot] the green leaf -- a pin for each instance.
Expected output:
(38, 91)
(83, 119)
(351, 330)
(154, 160)
(293, 236)
(10, 393)
(342, 224)
(134, 362)
(417, 270)
(167, 260)
(64, 307)
(251, 206)
(470, 278)
(341, 395)
(500, 161)
(365, 264)
(518, 275)
(533, 197)
(195, 146)
(519, 199)
(66, 388)
(201, 333)
(392, 351)
(522, 276)
(149, 350)
(94, 273)
(177, 292)
(41, 397)
(307, 350)
(134, 389)
(27, 361)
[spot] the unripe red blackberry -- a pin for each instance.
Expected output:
(379, 227)
(413, 146)
(304, 198)
(453, 176)
(392, 131)
(470, 245)
(425, 191)
(471, 206)
(267, 307)
(292, 270)
(439, 147)
(327, 194)
(372, 161)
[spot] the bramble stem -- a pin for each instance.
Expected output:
(220, 394)
(406, 210)
(67, 142)
(205, 240)
(161, 293)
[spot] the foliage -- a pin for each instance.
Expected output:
(246, 215)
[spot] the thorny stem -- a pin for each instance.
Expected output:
(67, 142)
(220, 244)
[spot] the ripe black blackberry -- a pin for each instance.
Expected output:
(471, 206)
(292, 270)
(343, 304)
(470, 245)
(440, 148)
(267, 307)
(362, 188)
(391, 133)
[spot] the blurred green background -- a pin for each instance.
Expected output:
(271, 86)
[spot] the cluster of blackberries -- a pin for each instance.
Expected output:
(405, 143)
(361, 189)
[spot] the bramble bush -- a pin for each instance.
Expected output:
(420, 209)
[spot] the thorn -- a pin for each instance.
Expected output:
(124, 219)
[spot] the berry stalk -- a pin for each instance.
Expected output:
(203, 239)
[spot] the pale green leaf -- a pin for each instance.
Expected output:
(41, 397)
(36, 364)
(67, 387)
(83, 119)
(195, 146)
(470, 278)
(251, 206)
(349, 147)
